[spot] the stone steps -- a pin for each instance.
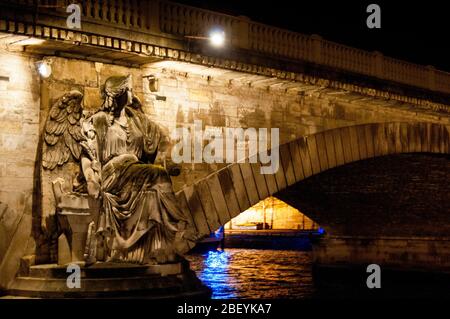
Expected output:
(110, 281)
(107, 270)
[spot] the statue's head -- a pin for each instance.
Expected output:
(117, 93)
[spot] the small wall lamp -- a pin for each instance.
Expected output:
(153, 83)
(44, 67)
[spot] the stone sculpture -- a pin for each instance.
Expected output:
(138, 218)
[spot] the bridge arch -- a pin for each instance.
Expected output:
(219, 197)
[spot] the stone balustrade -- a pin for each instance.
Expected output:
(246, 34)
(175, 21)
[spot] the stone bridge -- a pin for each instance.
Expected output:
(337, 107)
(224, 194)
(393, 212)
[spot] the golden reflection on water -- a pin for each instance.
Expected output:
(254, 273)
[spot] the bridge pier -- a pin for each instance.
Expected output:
(393, 253)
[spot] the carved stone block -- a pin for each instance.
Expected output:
(74, 212)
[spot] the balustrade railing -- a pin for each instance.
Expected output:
(246, 34)
(185, 20)
(123, 13)
(177, 20)
(276, 41)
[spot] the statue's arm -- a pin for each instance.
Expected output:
(158, 146)
(92, 175)
(165, 158)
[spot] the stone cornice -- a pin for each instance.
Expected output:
(137, 53)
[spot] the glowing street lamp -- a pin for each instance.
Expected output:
(216, 38)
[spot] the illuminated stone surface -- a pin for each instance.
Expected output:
(320, 114)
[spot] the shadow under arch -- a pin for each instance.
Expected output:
(217, 198)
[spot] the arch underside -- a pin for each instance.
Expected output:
(219, 197)
(398, 195)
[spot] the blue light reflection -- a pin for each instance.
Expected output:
(215, 274)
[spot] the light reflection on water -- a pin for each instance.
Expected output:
(267, 274)
(254, 273)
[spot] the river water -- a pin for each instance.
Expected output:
(255, 273)
(264, 273)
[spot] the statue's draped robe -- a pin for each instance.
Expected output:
(140, 212)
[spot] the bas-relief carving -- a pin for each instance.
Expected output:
(122, 208)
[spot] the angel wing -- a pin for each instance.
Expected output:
(62, 131)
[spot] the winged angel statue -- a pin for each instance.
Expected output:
(116, 148)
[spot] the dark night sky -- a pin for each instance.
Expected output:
(416, 31)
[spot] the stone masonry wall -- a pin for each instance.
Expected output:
(185, 95)
(218, 99)
(19, 130)
(405, 195)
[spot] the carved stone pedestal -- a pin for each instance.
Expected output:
(110, 280)
(73, 250)
(74, 212)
